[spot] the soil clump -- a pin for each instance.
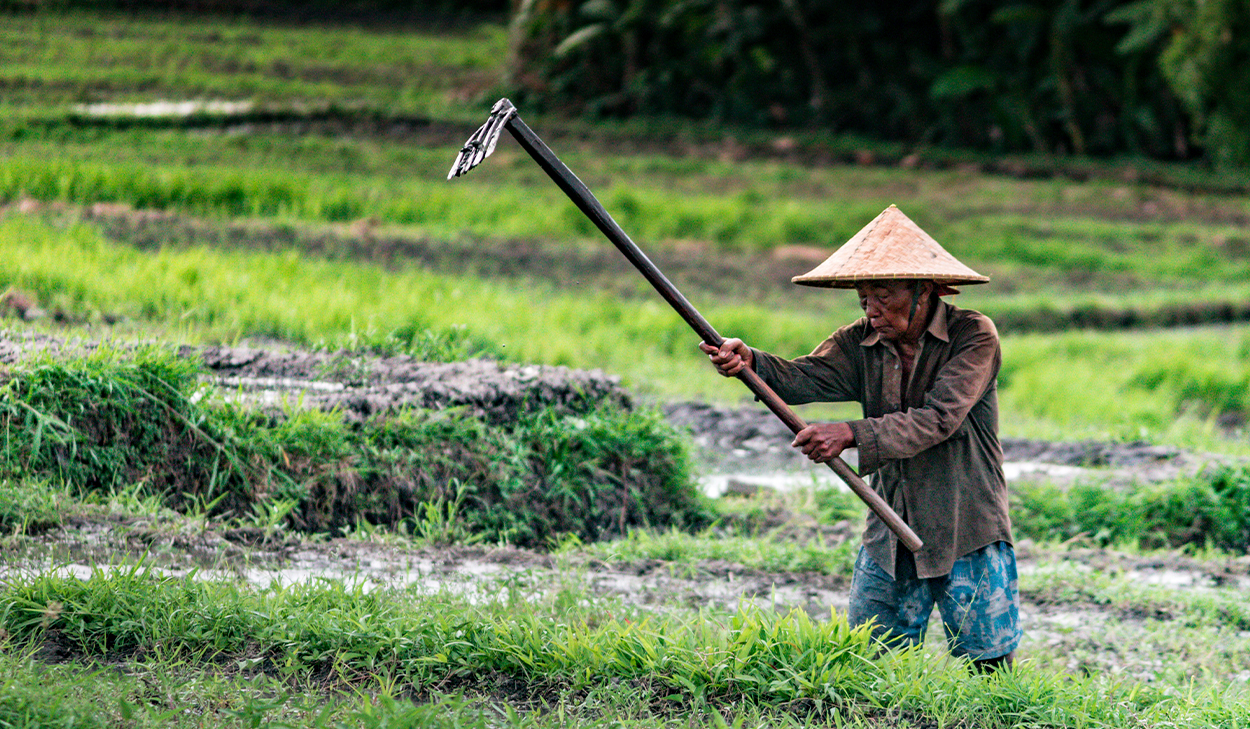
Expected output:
(360, 385)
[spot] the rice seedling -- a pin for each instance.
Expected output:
(752, 659)
(1205, 512)
(65, 58)
(758, 552)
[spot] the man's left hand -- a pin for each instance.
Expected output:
(823, 442)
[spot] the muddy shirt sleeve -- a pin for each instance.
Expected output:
(831, 373)
(957, 386)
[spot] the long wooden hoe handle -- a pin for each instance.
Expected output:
(586, 202)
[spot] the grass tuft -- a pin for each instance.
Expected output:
(1208, 511)
(110, 423)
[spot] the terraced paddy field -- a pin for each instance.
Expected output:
(280, 188)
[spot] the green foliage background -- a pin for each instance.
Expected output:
(1066, 76)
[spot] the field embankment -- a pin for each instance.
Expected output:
(522, 455)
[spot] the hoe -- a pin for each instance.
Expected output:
(480, 146)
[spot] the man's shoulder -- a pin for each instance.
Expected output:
(968, 322)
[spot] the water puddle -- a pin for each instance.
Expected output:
(745, 483)
(717, 485)
(427, 575)
(172, 109)
(1033, 470)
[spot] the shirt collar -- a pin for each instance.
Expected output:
(937, 327)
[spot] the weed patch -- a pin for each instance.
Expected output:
(107, 423)
(1210, 510)
(29, 507)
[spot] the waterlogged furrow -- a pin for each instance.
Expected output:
(1131, 595)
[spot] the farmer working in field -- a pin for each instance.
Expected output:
(925, 373)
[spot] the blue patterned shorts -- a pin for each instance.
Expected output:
(979, 601)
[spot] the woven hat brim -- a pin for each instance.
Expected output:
(889, 248)
(850, 282)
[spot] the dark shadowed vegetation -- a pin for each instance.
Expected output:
(1147, 76)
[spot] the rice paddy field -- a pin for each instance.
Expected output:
(185, 180)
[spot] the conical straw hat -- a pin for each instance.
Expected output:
(890, 247)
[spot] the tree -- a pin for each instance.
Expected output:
(1206, 60)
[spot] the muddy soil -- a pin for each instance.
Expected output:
(1081, 635)
(751, 440)
(360, 386)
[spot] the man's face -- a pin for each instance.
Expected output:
(887, 305)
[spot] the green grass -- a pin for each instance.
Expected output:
(70, 58)
(749, 659)
(1162, 386)
(1208, 511)
(116, 420)
(1014, 229)
(1060, 253)
(156, 693)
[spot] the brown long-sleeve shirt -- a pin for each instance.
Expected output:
(934, 453)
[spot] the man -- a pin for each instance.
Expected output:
(925, 373)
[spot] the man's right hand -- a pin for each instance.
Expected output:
(731, 358)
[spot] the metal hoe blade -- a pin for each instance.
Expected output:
(483, 141)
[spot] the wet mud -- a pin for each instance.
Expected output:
(1081, 635)
(361, 385)
(1074, 633)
